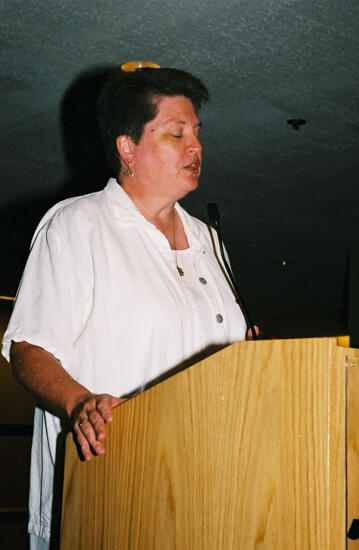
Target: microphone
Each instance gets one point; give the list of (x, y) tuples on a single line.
[(213, 213), (215, 218)]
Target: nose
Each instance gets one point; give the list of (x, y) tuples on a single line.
[(195, 144)]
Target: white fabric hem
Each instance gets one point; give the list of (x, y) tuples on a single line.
[(18, 337), (39, 530)]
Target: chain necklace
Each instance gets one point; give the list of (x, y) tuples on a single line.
[(179, 269)]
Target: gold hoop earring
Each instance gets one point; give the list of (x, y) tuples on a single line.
[(128, 171)]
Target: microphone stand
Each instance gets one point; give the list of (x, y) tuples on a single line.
[(214, 216)]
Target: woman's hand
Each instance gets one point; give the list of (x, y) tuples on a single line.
[(56, 391), (88, 422), (249, 333)]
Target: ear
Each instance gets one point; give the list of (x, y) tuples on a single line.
[(126, 150)]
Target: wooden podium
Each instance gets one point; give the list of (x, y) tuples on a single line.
[(254, 448)]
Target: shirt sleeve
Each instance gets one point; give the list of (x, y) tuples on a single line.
[(53, 296)]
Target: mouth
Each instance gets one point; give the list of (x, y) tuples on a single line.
[(194, 168)]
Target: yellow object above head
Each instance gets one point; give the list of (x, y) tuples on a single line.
[(132, 66)]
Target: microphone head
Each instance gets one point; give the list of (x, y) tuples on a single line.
[(213, 212)]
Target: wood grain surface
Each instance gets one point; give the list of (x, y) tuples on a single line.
[(245, 450), (353, 443)]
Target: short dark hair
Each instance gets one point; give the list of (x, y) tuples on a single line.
[(129, 100)]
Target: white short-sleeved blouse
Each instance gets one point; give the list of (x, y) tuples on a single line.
[(102, 293)]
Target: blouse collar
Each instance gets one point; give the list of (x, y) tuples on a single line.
[(126, 212)]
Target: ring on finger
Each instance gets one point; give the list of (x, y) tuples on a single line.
[(82, 423)]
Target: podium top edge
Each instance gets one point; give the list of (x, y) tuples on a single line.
[(342, 341)]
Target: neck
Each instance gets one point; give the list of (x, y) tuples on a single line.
[(153, 207), (160, 213)]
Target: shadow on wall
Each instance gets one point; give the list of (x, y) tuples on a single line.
[(86, 168)]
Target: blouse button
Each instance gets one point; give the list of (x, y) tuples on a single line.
[(202, 280), (219, 318)]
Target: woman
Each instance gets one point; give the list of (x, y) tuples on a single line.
[(121, 285)]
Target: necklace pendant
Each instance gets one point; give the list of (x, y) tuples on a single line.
[(180, 270)]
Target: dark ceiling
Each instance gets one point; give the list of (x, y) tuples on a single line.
[(288, 197)]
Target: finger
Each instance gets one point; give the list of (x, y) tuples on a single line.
[(98, 424), (88, 439), (105, 404), (82, 442), (250, 333), (90, 429)]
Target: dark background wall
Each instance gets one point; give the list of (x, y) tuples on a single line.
[(288, 197)]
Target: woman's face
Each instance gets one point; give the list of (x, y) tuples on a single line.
[(167, 159)]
